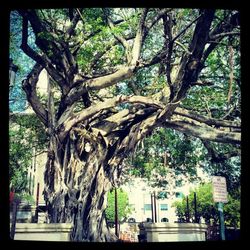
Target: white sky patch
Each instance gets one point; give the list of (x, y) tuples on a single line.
[(42, 82)]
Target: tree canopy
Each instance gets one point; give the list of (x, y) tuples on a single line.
[(117, 76), (101, 39)]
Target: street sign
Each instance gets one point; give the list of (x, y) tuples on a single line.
[(219, 189), (220, 196)]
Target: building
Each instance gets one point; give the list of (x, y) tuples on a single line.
[(35, 177), (37, 168), (35, 173), (140, 198)]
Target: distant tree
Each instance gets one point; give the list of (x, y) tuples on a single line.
[(207, 208), (232, 209), (123, 205), (25, 135)]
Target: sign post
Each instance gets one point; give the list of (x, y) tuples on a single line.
[(220, 196), (222, 224)]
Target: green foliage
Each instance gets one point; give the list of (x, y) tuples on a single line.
[(24, 196), (25, 133), (123, 205), (213, 100), (229, 167), (184, 154), (232, 209), (168, 147), (92, 36), (207, 208)]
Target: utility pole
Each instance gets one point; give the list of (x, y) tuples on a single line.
[(152, 207), (116, 214), (220, 196), (195, 209), (222, 224), (187, 210), (37, 201), (155, 207)]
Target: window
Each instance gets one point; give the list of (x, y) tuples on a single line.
[(164, 207), (179, 195), (147, 207), (149, 220), (131, 220), (164, 219)]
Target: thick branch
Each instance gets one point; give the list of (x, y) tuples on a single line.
[(41, 59), (94, 109), (191, 63), (201, 34), (140, 35), (122, 121), (206, 120), (73, 24), (204, 132), (98, 83), (26, 48), (167, 23), (29, 86), (121, 39)]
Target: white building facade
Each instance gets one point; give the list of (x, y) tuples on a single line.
[(140, 200)]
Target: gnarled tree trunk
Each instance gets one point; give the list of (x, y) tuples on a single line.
[(77, 183)]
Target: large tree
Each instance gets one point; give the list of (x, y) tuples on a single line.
[(121, 73)]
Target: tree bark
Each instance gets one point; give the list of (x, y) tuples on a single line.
[(77, 186)]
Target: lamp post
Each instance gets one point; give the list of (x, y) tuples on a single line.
[(152, 207), (12, 73), (187, 216), (155, 206), (195, 208)]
